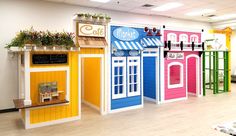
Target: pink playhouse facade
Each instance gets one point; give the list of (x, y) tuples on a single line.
[(182, 64)]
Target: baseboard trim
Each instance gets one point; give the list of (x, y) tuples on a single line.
[(8, 110)]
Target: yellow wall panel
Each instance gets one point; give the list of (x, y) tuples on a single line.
[(92, 81), (42, 77), (91, 51), (45, 114), (56, 112)]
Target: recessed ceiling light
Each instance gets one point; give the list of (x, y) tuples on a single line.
[(224, 17), (101, 1), (168, 6), (200, 12)]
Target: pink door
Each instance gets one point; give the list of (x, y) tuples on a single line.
[(192, 75)]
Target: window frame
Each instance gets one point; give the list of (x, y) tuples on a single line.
[(169, 39), (194, 35), (123, 64), (180, 38), (137, 64), (181, 75)]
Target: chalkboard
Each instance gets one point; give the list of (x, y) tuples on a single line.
[(49, 58)]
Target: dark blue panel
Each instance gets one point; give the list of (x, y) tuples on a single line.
[(116, 89), (116, 70), (121, 80), (121, 71), (120, 89), (149, 77), (126, 102), (116, 80)]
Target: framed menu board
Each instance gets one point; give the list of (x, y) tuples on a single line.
[(50, 58)]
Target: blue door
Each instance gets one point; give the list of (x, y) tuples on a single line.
[(149, 77)]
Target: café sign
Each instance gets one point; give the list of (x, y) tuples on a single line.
[(91, 30)]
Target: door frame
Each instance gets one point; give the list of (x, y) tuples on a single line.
[(156, 55), (198, 78), (102, 79)]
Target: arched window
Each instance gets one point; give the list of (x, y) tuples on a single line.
[(172, 37), (183, 37), (194, 38), (175, 75)]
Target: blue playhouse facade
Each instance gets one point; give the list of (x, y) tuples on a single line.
[(130, 75), (152, 75)]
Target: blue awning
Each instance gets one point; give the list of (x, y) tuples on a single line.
[(151, 42), (122, 45)]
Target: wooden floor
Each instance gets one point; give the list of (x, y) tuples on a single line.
[(194, 117)]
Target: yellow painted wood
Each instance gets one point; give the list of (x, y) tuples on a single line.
[(92, 51), (92, 80), (45, 114), (43, 77)]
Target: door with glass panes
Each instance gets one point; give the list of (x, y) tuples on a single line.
[(125, 81)]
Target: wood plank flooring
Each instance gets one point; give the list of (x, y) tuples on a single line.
[(193, 117)]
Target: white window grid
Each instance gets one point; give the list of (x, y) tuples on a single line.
[(183, 37), (172, 37), (119, 62), (194, 38), (132, 90)]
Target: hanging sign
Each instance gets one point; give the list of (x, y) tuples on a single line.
[(126, 34), (175, 55), (119, 53), (91, 30), (133, 53), (49, 59)]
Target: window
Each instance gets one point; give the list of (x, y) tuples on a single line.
[(183, 37), (172, 37), (133, 76), (175, 75), (194, 38), (119, 77)]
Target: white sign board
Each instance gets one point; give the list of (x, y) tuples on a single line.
[(91, 30), (175, 55)]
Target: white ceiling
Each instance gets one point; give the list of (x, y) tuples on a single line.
[(135, 6)]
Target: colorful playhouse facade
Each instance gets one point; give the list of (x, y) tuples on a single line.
[(182, 64), (126, 63), (152, 60)]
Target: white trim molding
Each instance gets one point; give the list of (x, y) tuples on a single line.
[(175, 100), (102, 108), (126, 109), (132, 62), (181, 75), (121, 63)]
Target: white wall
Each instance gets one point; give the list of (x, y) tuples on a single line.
[(16, 15)]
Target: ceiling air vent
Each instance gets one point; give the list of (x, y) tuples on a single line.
[(147, 5), (210, 15)]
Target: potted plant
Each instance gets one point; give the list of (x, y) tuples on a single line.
[(88, 17), (41, 41), (108, 19), (101, 18), (95, 17), (81, 16)]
